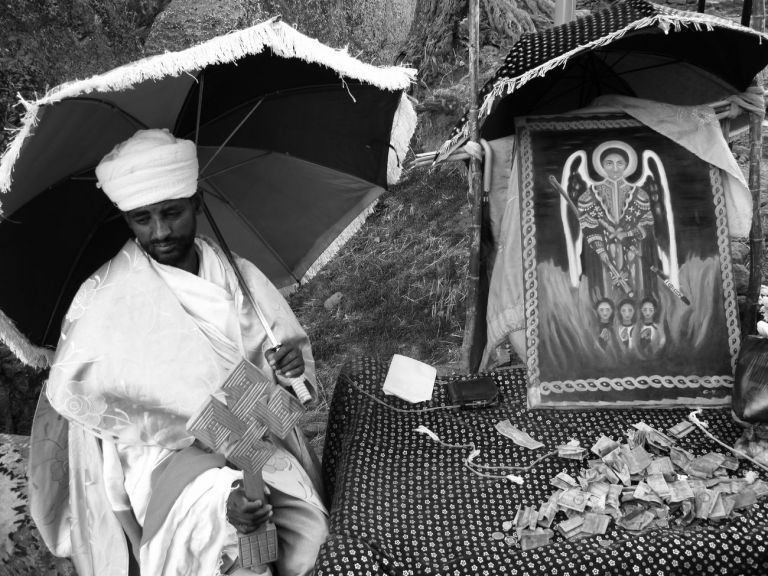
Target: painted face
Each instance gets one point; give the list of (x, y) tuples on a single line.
[(604, 311), (614, 165), (627, 311), (166, 230), (648, 310)]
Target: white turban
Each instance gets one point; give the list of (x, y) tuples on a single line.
[(149, 167)]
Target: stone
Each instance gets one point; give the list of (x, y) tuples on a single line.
[(185, 23), (333, 301)]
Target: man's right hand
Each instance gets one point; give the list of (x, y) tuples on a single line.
[(244, 514)]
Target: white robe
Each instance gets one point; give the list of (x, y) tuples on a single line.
[(168, 341)]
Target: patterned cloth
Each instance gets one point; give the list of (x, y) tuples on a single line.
[(546, 54), (403, 504)]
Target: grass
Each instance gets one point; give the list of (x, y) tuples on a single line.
[(402, 280)]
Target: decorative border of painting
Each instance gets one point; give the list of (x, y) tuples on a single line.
[(616, 390)]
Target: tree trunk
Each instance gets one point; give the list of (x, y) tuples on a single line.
[(438, 34)]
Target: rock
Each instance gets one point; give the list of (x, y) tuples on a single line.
[(185, 23), (333, 301)]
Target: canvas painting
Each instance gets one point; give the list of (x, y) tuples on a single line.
[(629, 294)]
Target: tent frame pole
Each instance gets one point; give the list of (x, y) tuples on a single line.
[(468, 362), (756, 240)]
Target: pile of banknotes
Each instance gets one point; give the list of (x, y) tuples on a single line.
[(645, 481)]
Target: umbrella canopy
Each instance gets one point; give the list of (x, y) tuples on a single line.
[(296, 140), (632, 48)]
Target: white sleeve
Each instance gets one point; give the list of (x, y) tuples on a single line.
[(114, 479)]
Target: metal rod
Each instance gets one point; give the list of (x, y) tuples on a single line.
[(231, 134), (298, 385), (240, 278)]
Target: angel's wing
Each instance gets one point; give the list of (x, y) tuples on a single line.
[(654, 181), (573, 183)]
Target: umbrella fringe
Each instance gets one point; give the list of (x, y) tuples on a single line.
[(21, 347), (329, 253), (28, 122), (665, 20), (279, 37), (403, 127)]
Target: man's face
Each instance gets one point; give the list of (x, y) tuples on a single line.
[(166, 230), (614, 165), (604, 311), (627, 311)]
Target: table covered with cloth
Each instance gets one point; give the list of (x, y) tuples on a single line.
[(401, 503)]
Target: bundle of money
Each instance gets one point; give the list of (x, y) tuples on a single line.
[(644, 483)]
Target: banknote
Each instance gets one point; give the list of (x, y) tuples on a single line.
[(604, 445), (662, 465), (659, 485), (574, 499), (612, 498), (680, 490), (618, 465), (637, 520), (571, 527), (705, 466), (681, 429), (595, 523), (505, 428), (564, 481), (637, 459), (571, 452), (536, 538), (680, 458), (548, 510), (705, 502), (646, 494)]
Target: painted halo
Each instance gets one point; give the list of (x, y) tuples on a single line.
[(600, 150)]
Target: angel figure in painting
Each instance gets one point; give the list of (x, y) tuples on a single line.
[(628, 226)]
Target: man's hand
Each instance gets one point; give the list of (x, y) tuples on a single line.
[(246, 515), (287, 360)]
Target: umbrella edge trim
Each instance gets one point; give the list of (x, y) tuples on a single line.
[(272, 34), (21, 347)]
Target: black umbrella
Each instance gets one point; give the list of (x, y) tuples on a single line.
[(632, 48), (296, 140)]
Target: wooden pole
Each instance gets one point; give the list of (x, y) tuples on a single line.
[(475, 192), (756, 247), (746, 12), (564, 11)]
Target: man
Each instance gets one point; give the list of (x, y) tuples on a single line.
[(146, 340)]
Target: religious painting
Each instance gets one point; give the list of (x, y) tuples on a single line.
[(629, 294)]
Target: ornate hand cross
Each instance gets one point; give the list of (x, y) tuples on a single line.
[(254, 407)]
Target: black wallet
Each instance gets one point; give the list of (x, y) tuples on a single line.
[(476, 392)]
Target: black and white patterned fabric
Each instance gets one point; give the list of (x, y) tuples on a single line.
[(542, 54), (403, 504)]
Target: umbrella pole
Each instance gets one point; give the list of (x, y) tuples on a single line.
[(469, 362), (298, 385), (756, 247)]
